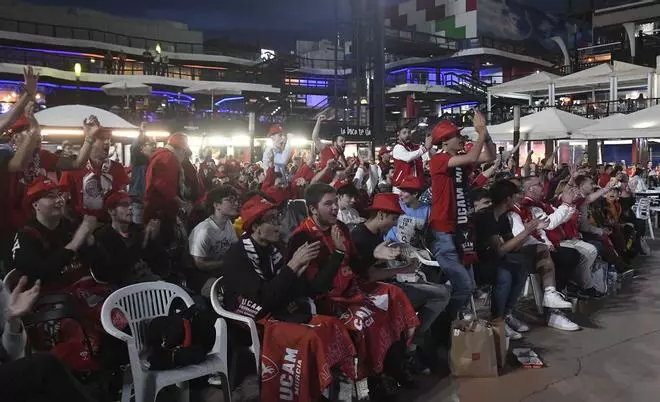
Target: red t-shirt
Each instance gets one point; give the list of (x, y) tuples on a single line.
[(15, 211), (90, 201), (330, 152), (604, 179), (443, 204)]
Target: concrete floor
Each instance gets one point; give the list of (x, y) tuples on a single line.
[(615, 357)]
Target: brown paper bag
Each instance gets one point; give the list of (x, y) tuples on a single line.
[(500, 341), (473, 350)]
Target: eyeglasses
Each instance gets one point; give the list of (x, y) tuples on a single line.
[(231, 200), (55, 195), (272, 218)]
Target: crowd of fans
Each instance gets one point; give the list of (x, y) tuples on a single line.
[(339, 281)]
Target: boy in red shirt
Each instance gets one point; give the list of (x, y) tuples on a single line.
[(452, 205)]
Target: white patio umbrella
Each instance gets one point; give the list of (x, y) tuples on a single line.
[(213, 89), (69, 116), (126, 88)]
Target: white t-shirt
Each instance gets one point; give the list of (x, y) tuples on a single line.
[(207, 240)]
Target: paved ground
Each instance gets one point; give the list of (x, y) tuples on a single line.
[(616, 357)]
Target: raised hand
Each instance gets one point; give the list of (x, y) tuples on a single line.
[(479, 122), (30, 80), (338, 238), (21, 300)]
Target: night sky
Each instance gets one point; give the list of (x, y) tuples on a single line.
[(274, 23)]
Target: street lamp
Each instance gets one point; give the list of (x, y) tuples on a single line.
[(158, 48), (77, 70)]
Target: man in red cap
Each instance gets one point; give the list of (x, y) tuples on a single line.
[(429, 299), (89, 185), (29, 161), (378, 314), (123, 252), (45, 248), (408, 157), (270, 289), (451, 203)]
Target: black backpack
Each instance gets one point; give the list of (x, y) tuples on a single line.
[(179, 339)]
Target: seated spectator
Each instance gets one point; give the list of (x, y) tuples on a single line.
[(210, 240), (428, 299), (262, 285), (514, 258), (383, 318), (123, 252), (40, 376), (347, 196), (414, 220), (555, 237)]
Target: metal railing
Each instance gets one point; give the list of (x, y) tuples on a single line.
[(115, 38)]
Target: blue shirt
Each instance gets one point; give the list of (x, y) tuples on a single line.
[(410, 223)]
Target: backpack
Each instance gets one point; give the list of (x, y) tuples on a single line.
[(179, 339)]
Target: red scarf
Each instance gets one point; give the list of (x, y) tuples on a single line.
[(555, 235), (526, 216)]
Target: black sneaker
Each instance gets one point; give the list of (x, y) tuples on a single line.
[(415, 363), (382, 388), (405, 377), (591, 293)]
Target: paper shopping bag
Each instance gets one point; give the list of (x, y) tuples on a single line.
[(473, 350), (501, 348)]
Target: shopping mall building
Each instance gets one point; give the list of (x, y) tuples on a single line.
[(439, 57)]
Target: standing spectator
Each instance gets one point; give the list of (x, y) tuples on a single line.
[(141, 150), (121, 64), (89, 185), (148, 60), (451, 203), (408, 157), (210, 239), (280, 153), (108, 61)]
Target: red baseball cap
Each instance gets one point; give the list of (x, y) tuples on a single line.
[(275, 129), (411, 184), (114, 198), (253, 209), (178, 141), (39, 187), (386, 202), (383, 150), (444, 131)]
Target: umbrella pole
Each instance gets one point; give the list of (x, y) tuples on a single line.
[(212, 105)]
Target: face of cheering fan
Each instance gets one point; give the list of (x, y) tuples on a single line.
[(51, 204), (326, 210), (122, 213)]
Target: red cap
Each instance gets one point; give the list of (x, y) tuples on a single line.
[(253, 209), (383, 150), (444, 131), (39, 187), (114, 198), (386, 202), (178, 141), (341, 183), (19, 125), (411, 184), (275, 129)]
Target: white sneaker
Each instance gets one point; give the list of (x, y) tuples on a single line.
[(559, 321), (511, 333), (554, 299), (215, 380), (516, 324)]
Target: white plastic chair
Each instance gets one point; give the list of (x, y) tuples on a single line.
[(216, 302), (140, 303)]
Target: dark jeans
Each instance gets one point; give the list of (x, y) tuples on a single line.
[(428, 299), (512, 274), (566, 261), (40, 377)]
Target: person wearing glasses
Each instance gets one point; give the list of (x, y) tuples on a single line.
[(210, 240)]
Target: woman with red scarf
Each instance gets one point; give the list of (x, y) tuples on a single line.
[(379, 315)]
